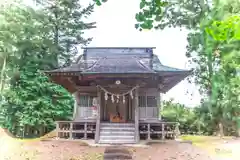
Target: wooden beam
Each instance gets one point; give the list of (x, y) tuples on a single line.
[(136, 116), (87, 88)]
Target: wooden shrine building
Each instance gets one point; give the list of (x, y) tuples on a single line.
[(117, 95)]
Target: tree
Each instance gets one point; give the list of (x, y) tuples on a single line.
[(31, 102), (175, 112), (159, 14), (227, 82), (66, 18)]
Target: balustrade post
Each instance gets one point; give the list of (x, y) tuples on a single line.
[(85, 130), (163, 131), (149, 131), (70, 131), (57, 129)]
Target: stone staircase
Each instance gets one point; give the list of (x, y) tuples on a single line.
[(117, 133)]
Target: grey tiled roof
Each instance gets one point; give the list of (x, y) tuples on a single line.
[(158, 66), (118, 60), (114, 64)]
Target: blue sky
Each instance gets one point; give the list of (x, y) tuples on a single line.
[(115, 28)]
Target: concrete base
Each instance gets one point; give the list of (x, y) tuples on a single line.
[(92, 143), (142, 143)]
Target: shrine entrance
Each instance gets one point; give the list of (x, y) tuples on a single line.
[(120, 112), (117, 107)]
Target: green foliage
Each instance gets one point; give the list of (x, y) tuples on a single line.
[(214, 50), (67, 24), (188, 118), (34, 101), (32, 41), (159, 14), (99, 2)]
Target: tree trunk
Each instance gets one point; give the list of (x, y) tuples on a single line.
[(2, 74), (238, 132), (41, 131), (220, 127), (238, 126)]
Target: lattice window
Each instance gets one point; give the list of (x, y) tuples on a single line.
[(90, 101), (142, 101), (85, 101), (151, 101)]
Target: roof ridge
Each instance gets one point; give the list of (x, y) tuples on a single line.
[(94, 64), (143, 65)]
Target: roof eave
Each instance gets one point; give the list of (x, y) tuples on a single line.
[(180, 72), (178, 78), (118, 47)]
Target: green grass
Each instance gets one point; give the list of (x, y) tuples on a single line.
[(208, 143)]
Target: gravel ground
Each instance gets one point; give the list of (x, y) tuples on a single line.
[(57, 150)]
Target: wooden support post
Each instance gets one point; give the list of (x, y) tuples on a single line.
[(163, 131), (70, 131), (75, 110), (136, 116), (149, 131), (159, 106), (98, 118), (85, 130), (57, 130)]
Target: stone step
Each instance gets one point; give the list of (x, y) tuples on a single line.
[(118, 124), (117, 133), (117, 141), (111, 153), (129, 133), (116, 137), (117, 129), (108, 126)]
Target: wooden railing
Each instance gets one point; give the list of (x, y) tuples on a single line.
[(159, 129), (87, 129), (75, 130)]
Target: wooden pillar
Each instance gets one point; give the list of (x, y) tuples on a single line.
[(159, 106), (97, 136), (136, 116), (75, 96)]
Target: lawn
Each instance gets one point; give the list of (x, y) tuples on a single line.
[(226, 147)]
